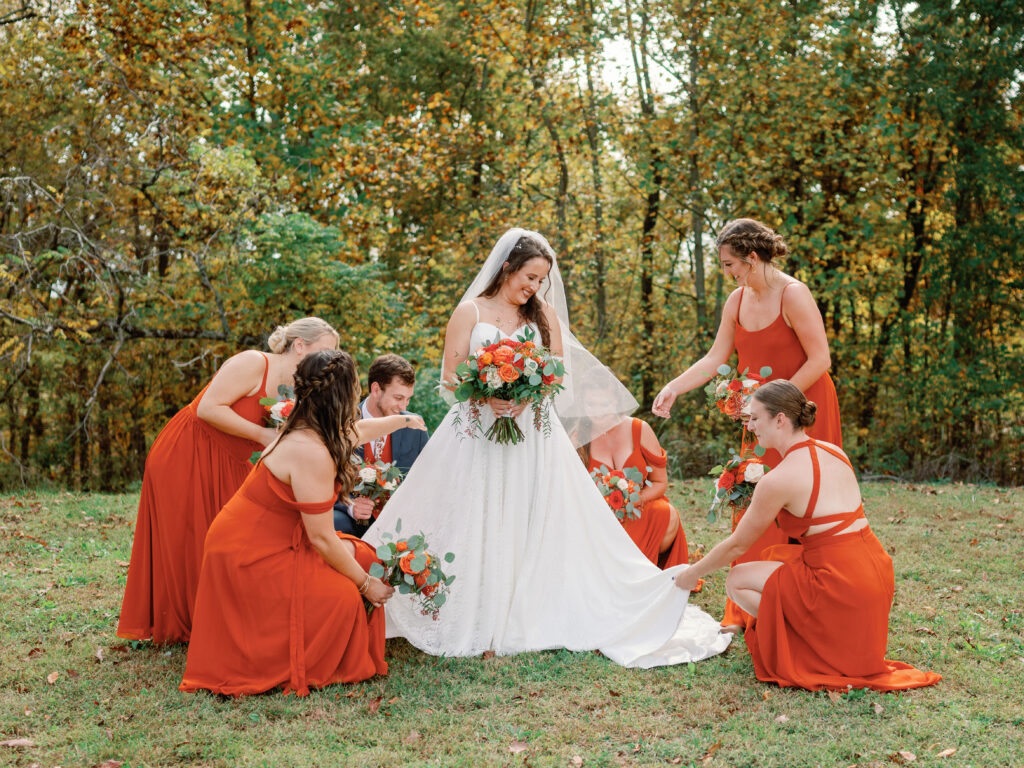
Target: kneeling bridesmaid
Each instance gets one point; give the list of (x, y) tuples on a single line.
[(821, 608), (280, 598)]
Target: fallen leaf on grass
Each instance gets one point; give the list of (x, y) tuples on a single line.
[(411, 738), (782, 719), (675, 761), (52, 677), (711, 752), (17, 743), (99, 654), (926, 630), (613, 693), (904, 756), (392, 700), (879, 709), (111, 764), (516, 747), (123, 563), (488, 655), (375, 704), (765, 695), (576, 761), (72, 673), (835, 696), (947, 752)]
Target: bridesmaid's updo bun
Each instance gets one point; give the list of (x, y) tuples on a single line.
[(783, 396), (746, 236), (309, 329)]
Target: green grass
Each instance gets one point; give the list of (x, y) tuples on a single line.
[(958, 557)]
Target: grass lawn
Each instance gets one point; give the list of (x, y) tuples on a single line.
[(81, 697)]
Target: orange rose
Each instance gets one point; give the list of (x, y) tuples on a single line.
[(485, 359), (401, 546), (528, 345), (503, 355), (406, 564), (508, 373), (616, 500)]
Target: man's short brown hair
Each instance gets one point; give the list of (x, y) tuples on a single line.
[(386, 368)]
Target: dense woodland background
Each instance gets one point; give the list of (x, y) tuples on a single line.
[(177, 177)]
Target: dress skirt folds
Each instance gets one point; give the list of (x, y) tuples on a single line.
[(270, 611), (192, 470)]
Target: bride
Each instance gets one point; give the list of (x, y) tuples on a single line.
[(541, 562)]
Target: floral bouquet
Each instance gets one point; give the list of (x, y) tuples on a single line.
[(621, 490), (736, 481), (377, 481), (731, 392), (279, 408), (517, 370), (407, 565)]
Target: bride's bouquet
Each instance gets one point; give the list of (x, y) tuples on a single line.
[(412, 569), (279, 408), (730, 392), (737, 479), (518, 370), (621, 490), (377, 481)]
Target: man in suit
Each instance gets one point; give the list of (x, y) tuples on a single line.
[(391, 381)]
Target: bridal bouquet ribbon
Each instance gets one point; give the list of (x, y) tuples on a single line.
[(511, 369), (279, 408), (730, 392), (409, 566), (377, 481), (621, 490), (737, 479)]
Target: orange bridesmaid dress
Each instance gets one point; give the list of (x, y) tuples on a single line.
[(270, 611), (778, 347), (823, 621), (648, 530), (192, 470)]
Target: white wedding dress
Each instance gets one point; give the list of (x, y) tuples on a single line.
[(540, 560)]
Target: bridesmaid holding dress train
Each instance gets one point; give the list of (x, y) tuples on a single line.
[(771, 320)]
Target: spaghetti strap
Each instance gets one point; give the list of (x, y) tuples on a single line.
[(739, 305), (636, 431), (782, 296), (837, 454), (266, 371), (815, 482), (477, 308)]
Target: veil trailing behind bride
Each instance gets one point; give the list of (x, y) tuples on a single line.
[(541, 562)]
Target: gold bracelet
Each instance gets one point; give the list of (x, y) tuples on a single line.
[(366, 585)]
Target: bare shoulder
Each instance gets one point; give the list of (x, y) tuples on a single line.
[(798, 292), (305, 447), (247, 361), (549, 314)]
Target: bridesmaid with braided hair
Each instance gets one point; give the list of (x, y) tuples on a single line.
[(771, 320), (196, 464), (280, 599)]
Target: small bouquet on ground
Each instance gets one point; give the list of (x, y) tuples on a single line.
[(621, 490), (517, 370), (279, 408), (736, 481), (731, 392), (377, 481), (407, 565)]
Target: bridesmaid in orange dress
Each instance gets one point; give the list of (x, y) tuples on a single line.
[(822, 607), (196, 464), (770, 320), (280, 600), (632, 443)]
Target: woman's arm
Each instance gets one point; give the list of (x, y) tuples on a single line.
[(706, 368), (239, 377), (658, 476), (769, 497), (371, 429), (456, 342), (802, 313)]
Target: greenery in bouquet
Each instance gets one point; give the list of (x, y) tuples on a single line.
[(409, 566), (517, 369), (279, 408), (377, 481), (730, 391), (737, 479), (621, 490)]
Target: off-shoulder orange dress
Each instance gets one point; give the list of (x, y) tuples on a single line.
[(823, 621), (270, 610), (649, 529), (778, 347), (192, 470)]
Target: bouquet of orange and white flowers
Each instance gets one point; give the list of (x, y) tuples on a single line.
[(737, 479), (407, 565), (517, 370), (279, 408), (731, 392), (377, 481), (621, 490)]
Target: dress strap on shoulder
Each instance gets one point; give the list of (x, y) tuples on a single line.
[(782, 296), (477, 308), (739, 305), (810, 444), (266, 371), (637, 426), (837, 454)]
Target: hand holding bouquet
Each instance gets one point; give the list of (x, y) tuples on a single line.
[(621, 490), (407, 565), (736, 481), (731, 392), (518, 370), (377, 481), (279, 408)]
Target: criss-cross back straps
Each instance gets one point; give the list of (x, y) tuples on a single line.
[(845, 519)]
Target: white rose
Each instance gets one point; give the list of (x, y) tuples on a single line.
[(367, 474), (753, 472), (722, 388), (749, 383), (530, 367), (622, 484)]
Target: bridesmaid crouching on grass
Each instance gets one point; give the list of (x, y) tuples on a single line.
[(280, 600), (822, 608)]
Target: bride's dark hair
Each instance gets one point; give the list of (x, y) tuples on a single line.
[(326, 399), (532, 311)]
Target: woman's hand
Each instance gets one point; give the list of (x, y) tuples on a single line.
[(505, 407), (377, 592), (414, 421), (664, 401), (687, 579), (268, 435)]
